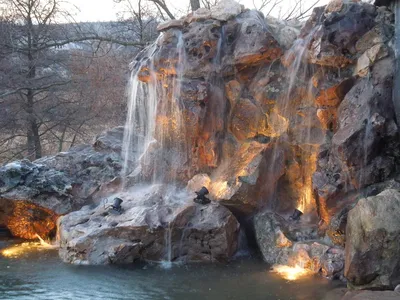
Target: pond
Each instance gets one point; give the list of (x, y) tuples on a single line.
[(39, 274)]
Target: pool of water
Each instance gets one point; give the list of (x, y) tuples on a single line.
[(39, 274)]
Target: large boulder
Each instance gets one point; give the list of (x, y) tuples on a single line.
[(271, 234), (37, 192), (158, 223), (363, 148), (333, 32), (282, 242), (372, 242)]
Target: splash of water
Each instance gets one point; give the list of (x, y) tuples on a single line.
[(167, 263)]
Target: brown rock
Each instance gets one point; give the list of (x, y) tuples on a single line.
[(170, 24), (247, 120), (233, 92)]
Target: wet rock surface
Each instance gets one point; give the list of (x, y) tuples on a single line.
[(323, 123), (372, 242), (270, 116), (284, 242), (153, 226)]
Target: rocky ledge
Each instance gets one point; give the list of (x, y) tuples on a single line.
[(157, 223), (34, 194)]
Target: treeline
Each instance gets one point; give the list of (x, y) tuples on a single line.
[(61, 82)]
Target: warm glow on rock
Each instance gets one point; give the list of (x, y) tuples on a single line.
[(28, 220), (291, 273), (306, 201), (277, 124), (219, 189), (19, 249)]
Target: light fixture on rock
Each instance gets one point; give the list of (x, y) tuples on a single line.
[(201, 196), (117, 205), (296, 215)]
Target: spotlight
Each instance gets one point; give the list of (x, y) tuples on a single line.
[(117, 204), (201, 196), (296, 215)]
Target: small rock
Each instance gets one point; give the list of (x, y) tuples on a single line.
[(170, 24), (200, 14), (225, 10)]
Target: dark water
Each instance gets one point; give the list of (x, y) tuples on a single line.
[(39, 274)]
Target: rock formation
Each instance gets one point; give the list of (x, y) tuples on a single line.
[(34, 194), (373, 233), (157, 224), (270, 116)]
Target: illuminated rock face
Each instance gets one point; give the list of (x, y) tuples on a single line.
[(34, 194), (27, 220), (254, 112)]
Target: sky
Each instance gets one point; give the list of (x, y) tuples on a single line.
[(106, 10)]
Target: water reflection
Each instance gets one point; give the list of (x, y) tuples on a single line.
[(41, 275)]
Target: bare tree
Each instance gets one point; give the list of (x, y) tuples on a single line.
[(35, 79), (195, 4), (138, 19), (297, 8)]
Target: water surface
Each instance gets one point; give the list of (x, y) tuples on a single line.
[(39, 274)]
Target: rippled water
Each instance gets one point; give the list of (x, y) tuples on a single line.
[(41, 275)]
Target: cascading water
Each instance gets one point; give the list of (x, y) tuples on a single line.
[(300, 136), (158, 145), (140, 122), (154, 131), (154, 145)]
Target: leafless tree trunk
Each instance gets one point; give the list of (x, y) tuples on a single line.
[(195, 4)]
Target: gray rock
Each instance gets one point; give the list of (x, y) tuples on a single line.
[(110, 140), (271, 234), (200, 14), (37, 183), (372, 242), (157, 224), (225, 10), (285, 32), (345, 294), (60, 183), (333, 41)]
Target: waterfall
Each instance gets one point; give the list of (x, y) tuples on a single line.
[(154, 134), (299, 131), (140, 121)]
